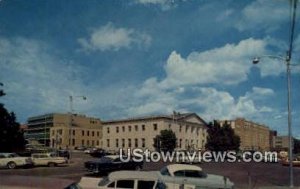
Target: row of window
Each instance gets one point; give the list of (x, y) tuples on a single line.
[(83, 132), (143, 128), (135, 143), (130, 143), (136, 128)]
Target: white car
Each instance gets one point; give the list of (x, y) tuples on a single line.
[(193, 175), (121, 180), (47, 159), (12, 160)]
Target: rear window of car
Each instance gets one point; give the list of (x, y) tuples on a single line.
[(196, 174), (125, 184)]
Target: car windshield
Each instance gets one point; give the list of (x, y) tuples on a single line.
[(103, 182), (165, 171)]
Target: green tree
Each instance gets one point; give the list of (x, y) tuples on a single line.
[(222, 138), (166, 141), (11, 137)]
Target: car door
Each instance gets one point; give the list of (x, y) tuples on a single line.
[(146, 184), (2, 160)]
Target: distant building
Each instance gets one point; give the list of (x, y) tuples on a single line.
[(190, 130), (254, 136), (55, 130), (281, 143)]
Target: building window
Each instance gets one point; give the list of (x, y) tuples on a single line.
[(88, 143), (123, 143), (93, 133), (73, 132), (88, 133), (186, 128), (129, 128), (143, 143), (82, 132), (108, 130), (117, 129), (180, 143), (73, 142), (123, 128), (97, 142), (180, 128), (93, 143), (97, 133), (136, 128), (136, 143), (129, 143), (155, 126), (143, 127), (169, 126), (117, 143), (82, 143), (107, 142)]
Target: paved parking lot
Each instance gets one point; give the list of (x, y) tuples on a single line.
[(258, 174)]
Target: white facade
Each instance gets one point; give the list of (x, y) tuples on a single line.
[(190, 130)]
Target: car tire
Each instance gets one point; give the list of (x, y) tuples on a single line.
[(11, 165), (51, 164)]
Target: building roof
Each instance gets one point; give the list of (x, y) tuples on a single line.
[(175, 117)]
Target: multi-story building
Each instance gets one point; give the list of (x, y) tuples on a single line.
[(55, 130), (273, 135), (281, 143), (190, 130), (254, 136)]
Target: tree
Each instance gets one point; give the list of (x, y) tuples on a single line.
[(166, 141), (222, 138), (11, 137)]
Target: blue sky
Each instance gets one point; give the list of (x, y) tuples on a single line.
[(147, 57)]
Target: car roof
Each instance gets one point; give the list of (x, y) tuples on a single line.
[(176, 167), (146, 175), (112, 156)]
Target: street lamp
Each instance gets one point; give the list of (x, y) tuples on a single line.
[(71, 121), (286, 60)]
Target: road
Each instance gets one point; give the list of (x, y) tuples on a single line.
[(258, 174)]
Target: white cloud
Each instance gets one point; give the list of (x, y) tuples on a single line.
[(229, 64), (264, 15), (109, 37)]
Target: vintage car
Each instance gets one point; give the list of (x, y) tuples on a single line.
[(111, 163), (193, 175), (12, 161), (47, 159), (121, 179)]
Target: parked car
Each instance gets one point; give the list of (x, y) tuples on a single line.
[(111, 163), (295, 162), (13, 160), (48, 159), (63, 153), (98, 153), (122, 179), (193, 175)]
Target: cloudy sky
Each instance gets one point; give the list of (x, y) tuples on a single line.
[(148, 57)]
